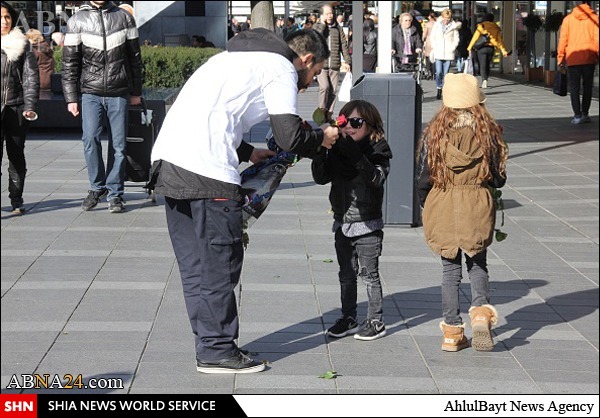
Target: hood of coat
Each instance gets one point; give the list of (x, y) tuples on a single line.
[(455, 159), (451, 26), (582, 12), (262, 40), (14, 44), (107, 5)]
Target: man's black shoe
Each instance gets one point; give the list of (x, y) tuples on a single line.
[(93, 198), (240, 363)]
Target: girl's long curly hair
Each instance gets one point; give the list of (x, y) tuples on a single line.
[(488, 135)]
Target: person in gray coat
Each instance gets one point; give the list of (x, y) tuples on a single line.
[(328, 79)]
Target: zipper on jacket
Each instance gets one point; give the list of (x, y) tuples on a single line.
[(105, 75), (6, 68)]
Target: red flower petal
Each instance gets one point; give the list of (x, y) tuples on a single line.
[(341, 121)]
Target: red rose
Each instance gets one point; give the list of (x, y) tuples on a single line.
[(341, 121)]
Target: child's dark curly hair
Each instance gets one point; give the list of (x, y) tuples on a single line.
[(369, 113)]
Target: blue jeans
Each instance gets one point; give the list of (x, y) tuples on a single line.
[(451, 278), (93, 109), (360, 252), (460, 61), (441, 69)]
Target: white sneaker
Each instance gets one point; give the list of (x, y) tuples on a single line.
[(576, 120), (484, 84)]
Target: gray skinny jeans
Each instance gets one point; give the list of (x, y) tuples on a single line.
[(360, 252), (451, 278)]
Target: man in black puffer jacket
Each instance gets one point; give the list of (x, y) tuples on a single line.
[(102, 62)]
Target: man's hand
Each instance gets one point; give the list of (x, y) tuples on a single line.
[(135, 100), (330, 135), (259, 155), (73, 108), (30, 115)]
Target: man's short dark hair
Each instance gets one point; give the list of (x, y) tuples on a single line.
[(489, 17), (308, 41)]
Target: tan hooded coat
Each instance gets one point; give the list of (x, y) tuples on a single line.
[(463, 215)]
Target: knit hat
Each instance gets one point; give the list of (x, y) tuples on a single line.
[(461, 91)]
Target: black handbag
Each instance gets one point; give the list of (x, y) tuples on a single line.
[(483, 40), (560, 84)]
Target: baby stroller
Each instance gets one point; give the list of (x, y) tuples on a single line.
[(416, 65)]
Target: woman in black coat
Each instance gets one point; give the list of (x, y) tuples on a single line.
[(20, 93), (464, 35), (369, 46)]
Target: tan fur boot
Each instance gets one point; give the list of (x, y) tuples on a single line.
[(482, 319), (454, 337)]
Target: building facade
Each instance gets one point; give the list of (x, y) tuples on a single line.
[(173, 23)]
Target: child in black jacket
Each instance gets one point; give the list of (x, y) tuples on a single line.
[(357, 166)]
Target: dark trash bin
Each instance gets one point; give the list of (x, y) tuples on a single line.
[(398, 98)]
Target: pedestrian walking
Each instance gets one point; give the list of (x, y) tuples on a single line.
[(578, 52), (102, 63), (357, 167), (369, 46), (492, 33), (444, 40), (329, 78), (20, 94), (406, 44), (464, 35), (431, 18), (196, 158), (461, 153)]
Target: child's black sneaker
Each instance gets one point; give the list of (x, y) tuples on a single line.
[(343, 326), (372, 330)]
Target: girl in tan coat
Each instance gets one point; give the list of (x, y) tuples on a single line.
[(461, 153)]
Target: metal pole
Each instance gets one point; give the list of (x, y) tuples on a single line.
[(357, 39), (384, 36), (40, 17), (547, 39)]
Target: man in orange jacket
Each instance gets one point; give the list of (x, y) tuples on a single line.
[(578, 51)]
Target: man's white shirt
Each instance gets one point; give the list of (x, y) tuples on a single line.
[(221, 101)]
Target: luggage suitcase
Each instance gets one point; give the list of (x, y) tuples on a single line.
[(141, 134)]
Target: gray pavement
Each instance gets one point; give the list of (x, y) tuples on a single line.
[(99, 294)]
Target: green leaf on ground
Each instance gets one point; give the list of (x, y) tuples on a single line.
[(500, 236), (328, 260), (331, 374)]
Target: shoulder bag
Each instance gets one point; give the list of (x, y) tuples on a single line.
[(483, 40)]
